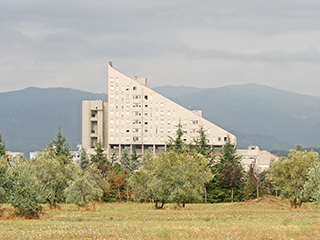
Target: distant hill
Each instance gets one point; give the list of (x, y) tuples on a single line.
[(256, 114), (30, 118)]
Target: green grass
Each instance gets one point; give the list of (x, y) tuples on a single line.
[(142, 221)]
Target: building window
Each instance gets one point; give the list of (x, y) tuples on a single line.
[(169, 113), (127, 122), (127, 88), (127, 138), (127, 113), (168, 122), (127, 130), (116, 80), (184, 122), (146, 114), (127, 96), (111, 88), (111, 113), (161, 113), (146, 130), (219, 139), (134, 88), (136, 96), (169, 130), (146, 105), (225, 139), (146, 122), (161, 105), (146, 97), (111, 138), (111, 96), (111, 79)]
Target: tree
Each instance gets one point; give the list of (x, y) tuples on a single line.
[(177, 143), (53, 175), (99, 157), (311, 188), (229, 169), (289, 174), (60, 147), (201, 146), (2, 146), (84, 159), (3, 173), (23, 188), (129, 163), (172, 176), (85, 187)]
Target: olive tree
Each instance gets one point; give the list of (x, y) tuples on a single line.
[(172, 176), (289, 174)]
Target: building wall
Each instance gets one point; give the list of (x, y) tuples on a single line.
[(260, 158)]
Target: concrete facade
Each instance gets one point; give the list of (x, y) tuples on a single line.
[(137, 115), (260, 158)]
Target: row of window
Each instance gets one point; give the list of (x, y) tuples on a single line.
[(138, 138), (136, 105), (134, 88)]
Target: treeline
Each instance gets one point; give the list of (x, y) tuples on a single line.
[(182, 174)]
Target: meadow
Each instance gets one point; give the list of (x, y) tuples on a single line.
[(265, 219)]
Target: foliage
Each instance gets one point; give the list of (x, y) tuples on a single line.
[(99, 157), (24, 188), (130, 162), (85, 187), (201, 146), (229, 169), (2, 146), (53, 175), (311, 188), (290, 174), (60, 147), (3, 170), (177, 143), (172, 176), (84, 160)]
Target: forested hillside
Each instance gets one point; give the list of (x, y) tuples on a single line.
[(30, 118), (256, 114)]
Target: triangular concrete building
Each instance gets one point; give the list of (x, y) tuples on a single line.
[(137, 115)]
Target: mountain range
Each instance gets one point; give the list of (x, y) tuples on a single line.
[(258, 115)]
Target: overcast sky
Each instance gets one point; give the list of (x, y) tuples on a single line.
[(200, 43)]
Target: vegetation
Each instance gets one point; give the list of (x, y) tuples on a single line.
[(289, 175), (172, 176), (2, 146), (229, 170)]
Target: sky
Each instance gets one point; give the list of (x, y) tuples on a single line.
[(205, 44)]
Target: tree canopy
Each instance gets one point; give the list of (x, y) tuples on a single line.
[(289, 174)]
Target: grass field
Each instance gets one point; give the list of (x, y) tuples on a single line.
[(263, 220)]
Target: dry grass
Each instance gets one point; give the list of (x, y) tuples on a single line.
[(260, 219)]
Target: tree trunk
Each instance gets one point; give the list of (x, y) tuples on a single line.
[(157, 206), (205, 194), (294, 203), (183, 204), (232, 194), (257, 191)]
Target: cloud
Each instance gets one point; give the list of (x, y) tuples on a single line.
[(65, 43)]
